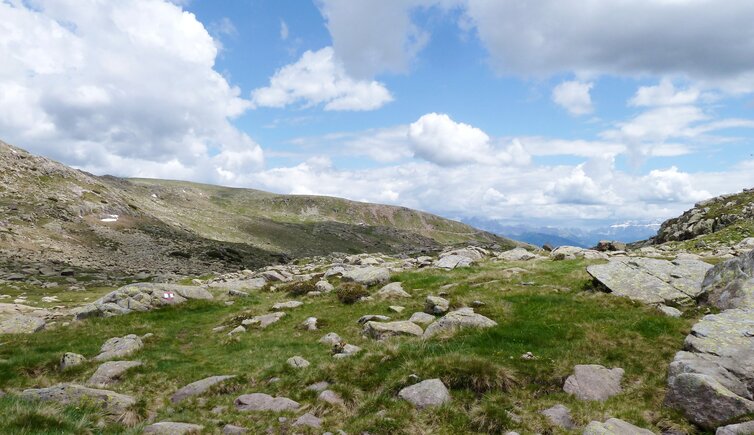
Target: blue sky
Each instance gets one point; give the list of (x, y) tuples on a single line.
[(562, 113)]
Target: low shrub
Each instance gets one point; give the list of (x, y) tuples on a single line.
[(350, 292)]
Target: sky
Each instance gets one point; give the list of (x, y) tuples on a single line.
[(554, 112)]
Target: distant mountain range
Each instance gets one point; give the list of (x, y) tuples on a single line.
[(539, 235)]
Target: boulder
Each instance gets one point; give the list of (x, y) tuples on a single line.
[(436, 305), (310, 324), (566, 253), (263, 321), (650, 280), (345, 350), (119, 347), (453, 261), (308, 420), (431, 392), (21, 324), (65, 394), (265, 402), (139, 297), (367, 275), (109, 372), (730, 284), (518, 254), (746, 428), (330, 339), (324, 286), (614, 426), (298, 362), (383, 330), (331, 397), (421, 318), (454, 320), (669, 311), (711, 381), (560, 416), (70, 359), (287, 305), (610, 246), (594, 382), (173, 428), (393, 290), (198, 387)]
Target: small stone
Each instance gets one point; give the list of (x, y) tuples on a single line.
[(330, 339), (559, 415), (421, 318), (669, 311), (319, 386), (237, 330), (70, 359), (198, 387), (308, 420), (436, 305), (230, 429), (265, 402), (331, 397), (119, 347), (345, 351), (614, 426), (287, 305), (394, 290), (310, 324), (298, 362), (396, 308), (111, 371), (324, 286), (381, 331), (369, 317)]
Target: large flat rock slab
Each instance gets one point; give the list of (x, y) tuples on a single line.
[(113, 403), (651, 280)]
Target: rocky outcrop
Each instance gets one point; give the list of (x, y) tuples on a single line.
[(367, 275), (707, 217), (21, 319), (265, 402), (139, 297), (650, 280), (119, 347)]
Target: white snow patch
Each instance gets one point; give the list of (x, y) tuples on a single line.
[(110, 218)]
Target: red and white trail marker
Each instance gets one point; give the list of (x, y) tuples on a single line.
[(168, 296)]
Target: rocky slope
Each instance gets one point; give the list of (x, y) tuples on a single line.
[(732, 213), (51, 214)]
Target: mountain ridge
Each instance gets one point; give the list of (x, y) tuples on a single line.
[(54, 213)]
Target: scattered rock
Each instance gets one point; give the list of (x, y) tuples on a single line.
[(396, 309), (518, 254), (298, 362), (392, 291), (614, 426), (566, 253), (198, 387), (436, 305), (650, 280), (237, 330), (331, 397), (319, 386), (461, 318), (594, 382), (560, 416), (21, 324), (669, 311), (345, 350), (113, 403), (119, 347), (431, 392), (70, 359), (230, 429), (330, 339), (367, 275), (308, 420), (453, 261), (111, 371), (263, 321), (421, 318), (324, 286), (265, 402), (287, 305), (383, 330), (173, 428), (310, 324), (746, 428)]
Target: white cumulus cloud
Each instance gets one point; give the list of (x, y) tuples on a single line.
[(574, 96), (124, 87), (318, 77), (664, 94)]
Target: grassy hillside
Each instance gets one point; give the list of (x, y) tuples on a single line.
[(555, 316)]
